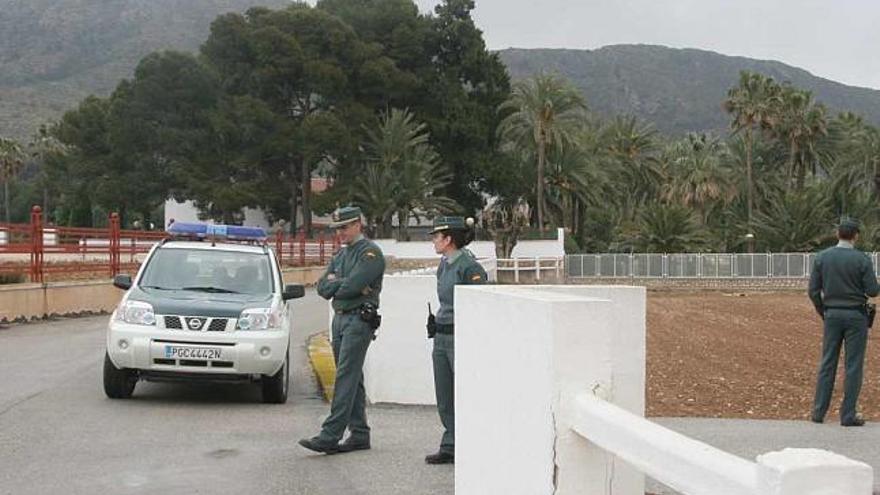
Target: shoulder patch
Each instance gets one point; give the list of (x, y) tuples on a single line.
[(371, 254), (476, 278)]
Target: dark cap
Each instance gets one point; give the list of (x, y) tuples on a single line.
[(849, 223), (345, 215), (451, 223)]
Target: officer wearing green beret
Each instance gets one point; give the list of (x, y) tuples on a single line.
[(457, 266), (841, 281), (353, 281)]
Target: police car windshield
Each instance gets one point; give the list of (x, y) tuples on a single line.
[(204, 270)]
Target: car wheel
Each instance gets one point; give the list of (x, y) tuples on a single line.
[(118, 384), (275, 387)]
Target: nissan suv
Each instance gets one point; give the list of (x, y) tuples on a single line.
[(208, 304)]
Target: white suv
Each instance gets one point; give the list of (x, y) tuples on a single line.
[(205, 310)]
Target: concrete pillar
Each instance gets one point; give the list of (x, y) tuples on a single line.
[(812, 472), (521, 351)]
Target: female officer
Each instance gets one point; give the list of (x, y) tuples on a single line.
[(457, 266)]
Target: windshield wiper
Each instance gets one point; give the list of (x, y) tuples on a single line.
[(216, 290), (155, 287)]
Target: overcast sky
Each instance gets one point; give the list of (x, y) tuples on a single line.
[(834, 39)]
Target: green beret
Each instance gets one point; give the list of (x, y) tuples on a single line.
[(345, 215), (451, 223), (849, 223)]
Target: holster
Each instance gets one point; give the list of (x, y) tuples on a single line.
[(369, 313), (871, 312), (431, 325)]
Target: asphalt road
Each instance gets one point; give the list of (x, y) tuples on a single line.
[(60, 434)]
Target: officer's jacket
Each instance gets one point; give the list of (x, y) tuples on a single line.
[(358, 270), (461, 268), (842, 277)]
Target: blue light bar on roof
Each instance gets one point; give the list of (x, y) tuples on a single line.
[(202, 230)]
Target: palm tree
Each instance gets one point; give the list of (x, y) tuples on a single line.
[(11, 162), (800, 122), (542, 112), (753, 103), (796, 221), (403, 175), (630, 147), (667, 229), (700, 178)]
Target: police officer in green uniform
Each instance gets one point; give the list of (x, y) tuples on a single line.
[(457, 266), (841, 281), (353, 281)]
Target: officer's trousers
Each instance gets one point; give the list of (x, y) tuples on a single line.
[(351, 338), (444, 387), (849, 328)]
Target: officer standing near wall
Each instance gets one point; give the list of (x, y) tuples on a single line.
[(353, 281), (841, 281), (457, 266)]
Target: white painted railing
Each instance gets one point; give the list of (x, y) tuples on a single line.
[(694, 468), (537, 266)]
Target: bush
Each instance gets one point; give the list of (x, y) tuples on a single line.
[(11, 278)]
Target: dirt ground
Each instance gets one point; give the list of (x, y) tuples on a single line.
[(742, 355)]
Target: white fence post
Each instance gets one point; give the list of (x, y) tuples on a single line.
[(513, 434)]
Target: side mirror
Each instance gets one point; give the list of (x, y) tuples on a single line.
[(293, 292), (122, 281)]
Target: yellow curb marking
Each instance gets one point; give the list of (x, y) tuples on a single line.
[(321, 356)]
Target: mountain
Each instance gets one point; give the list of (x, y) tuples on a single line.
[(679, 90), (57, 52)]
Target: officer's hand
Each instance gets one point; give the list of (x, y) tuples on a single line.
[(331, 277)]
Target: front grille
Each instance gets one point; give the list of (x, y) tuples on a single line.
[(173, 322), (217, 325), (191, 362), (221, 364), (169, 362)]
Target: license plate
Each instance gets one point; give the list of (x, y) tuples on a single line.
[(198, 353)]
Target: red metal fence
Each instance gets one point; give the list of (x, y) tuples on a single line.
[(43, 253)]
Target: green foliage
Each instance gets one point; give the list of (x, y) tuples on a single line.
[(403, 175), (666, 229)]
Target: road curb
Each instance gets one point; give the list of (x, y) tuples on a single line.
[(321, 357)]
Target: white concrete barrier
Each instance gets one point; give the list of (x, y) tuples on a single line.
[(398, 368), (550, 400), (519, 351)]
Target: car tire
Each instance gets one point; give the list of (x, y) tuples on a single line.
[(118, 384), (275, 387)]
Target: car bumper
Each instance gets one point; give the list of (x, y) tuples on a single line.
[(222, 353)]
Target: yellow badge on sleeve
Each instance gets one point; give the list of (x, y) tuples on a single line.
[(476, 278), (370, 254)]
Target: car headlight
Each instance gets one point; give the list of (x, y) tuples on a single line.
[(136, 312), (258, 319)]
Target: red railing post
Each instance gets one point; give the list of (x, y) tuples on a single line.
[(279, 246), (302, 248), (114, 244), (321, 247), (36, 244)]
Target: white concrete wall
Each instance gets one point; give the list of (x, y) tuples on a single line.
[(532, 249), (398, 368), (519, 351)]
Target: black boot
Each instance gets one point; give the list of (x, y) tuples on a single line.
[(440, 458), (317, 445)]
